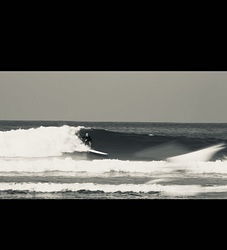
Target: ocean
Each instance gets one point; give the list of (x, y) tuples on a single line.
[(145, 160)]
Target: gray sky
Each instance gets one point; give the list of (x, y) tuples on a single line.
[(114, 96)]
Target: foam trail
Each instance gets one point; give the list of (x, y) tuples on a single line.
[(199, 155), (68, 164), (40, 142)]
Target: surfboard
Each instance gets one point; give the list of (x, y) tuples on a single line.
[(97, 152)]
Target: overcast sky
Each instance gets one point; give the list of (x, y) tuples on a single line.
[(114, 96)]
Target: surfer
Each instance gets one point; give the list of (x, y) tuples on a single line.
[(87, 140)]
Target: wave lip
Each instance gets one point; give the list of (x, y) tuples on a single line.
[(40, 142)]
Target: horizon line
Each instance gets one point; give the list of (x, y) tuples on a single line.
[(40, 120)]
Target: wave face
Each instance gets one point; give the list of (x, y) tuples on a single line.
[(149, 147)]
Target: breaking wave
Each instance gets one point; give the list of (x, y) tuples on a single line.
[(40, 142)]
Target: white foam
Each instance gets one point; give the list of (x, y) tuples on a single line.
[(40, 142), (105, 166)]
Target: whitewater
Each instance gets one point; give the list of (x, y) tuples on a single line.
[(48, 160), (40, 142)]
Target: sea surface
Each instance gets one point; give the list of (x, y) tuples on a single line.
[(152, 160)]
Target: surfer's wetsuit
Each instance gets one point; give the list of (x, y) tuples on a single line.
[(87, 140)]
